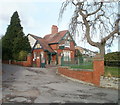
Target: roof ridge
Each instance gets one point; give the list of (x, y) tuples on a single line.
[(55, 33)]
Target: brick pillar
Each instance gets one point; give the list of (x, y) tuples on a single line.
[(29, 59), (38, 62), (98, 66), (59, 60)]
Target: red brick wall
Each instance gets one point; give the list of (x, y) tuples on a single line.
[(29, 60), (72, 54), (54, 29), (38, 62), (98, 69), (54, 57), (72, 46), (98, 66), (59, 51), (37, 50), (5, 61), (87, 76)]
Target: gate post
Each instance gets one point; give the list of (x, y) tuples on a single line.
[(29, 59), (38, 62), (98, 67)]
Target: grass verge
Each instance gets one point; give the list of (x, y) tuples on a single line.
[(109, 71), (112, 71)]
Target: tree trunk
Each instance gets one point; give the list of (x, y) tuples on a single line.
[(102, 50)]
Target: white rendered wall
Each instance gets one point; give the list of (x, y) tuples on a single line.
[(31, 40)]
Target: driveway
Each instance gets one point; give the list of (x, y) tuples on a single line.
[(43, 85)]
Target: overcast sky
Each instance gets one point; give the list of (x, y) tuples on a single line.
[(37, 17)]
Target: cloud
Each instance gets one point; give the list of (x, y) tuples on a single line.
[(24, 9)]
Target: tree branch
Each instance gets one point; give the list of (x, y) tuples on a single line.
[(109, 36), (87, 33), (96, 10)]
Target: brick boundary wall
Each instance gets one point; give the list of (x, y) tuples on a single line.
[(90, 76), (27, 63)]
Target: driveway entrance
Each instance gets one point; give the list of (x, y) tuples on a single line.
[(43, 85)]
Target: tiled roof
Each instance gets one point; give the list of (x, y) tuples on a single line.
[(43, 43), (79, 47), (49, 39), (55, 38), (34, 36)]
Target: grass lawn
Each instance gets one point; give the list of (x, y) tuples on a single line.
[(87, 66), (112, 71), (109, 71)]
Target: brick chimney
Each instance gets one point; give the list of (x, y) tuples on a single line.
[(54, 29)]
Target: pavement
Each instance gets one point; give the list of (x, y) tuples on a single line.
[(44, 85)]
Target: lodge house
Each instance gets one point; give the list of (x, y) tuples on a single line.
[(53, 46)]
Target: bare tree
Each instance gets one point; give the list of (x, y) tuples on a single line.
[(95, 18)]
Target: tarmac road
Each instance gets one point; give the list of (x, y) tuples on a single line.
[(43, 85)]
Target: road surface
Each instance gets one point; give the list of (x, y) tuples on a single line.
[(43, 85)]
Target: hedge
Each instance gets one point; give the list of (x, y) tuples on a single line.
[(112, 59)]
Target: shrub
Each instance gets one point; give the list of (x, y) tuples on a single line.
[(22, 55), (112, 59)]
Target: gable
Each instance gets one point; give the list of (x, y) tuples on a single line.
[(32, 41), (37, 45), (66, 39)]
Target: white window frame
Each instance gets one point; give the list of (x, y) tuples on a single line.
[(67, 43), (67, 55), (35, 55)]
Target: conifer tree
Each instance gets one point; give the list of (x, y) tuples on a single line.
[(14, 39)]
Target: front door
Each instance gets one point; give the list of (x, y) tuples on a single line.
[(49, 58)]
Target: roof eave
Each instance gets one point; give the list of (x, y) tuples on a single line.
[(53, 43)]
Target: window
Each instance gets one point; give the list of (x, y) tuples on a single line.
[(67, 43), (37, 46), (67, 55), (34, 55), (42, 55)]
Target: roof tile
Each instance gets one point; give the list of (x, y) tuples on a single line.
[(55, 38), (49, 39)]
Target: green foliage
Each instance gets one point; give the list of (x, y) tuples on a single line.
[(88, 65), (112, 56), (19, 44), (78, 53), (22, 55), (78, 56), (14, 39), (112, 59), (6, 48), (113, 71)]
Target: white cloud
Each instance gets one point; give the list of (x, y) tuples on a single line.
[(36, 18)]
